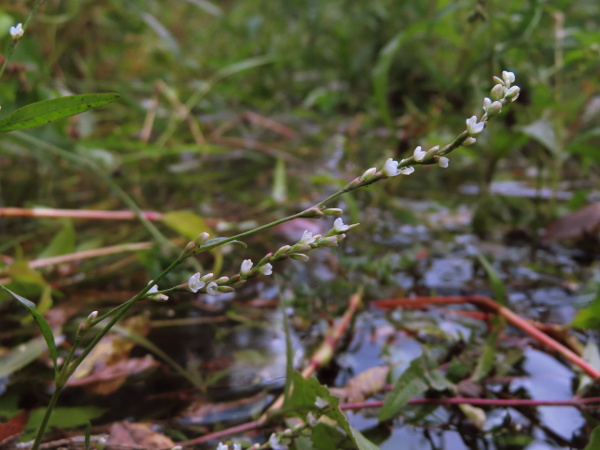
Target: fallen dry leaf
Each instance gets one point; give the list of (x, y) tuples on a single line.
[(111, 377), (364, 385), (137, 436), (575, 225), (12, 428), (111, 350)]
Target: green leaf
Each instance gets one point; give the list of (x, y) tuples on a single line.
[(303, 400), (279, 193), (497, 284), (186, 223), (21, 356), (542, 131), (214, 241), (62, 243), (409, 385), (362, 442), (40, 113), (381, 75), (594, 439), (42, 324), (488, 357), (588, 318), (61, 418)]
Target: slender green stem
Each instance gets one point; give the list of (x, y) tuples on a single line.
[(46, 418)]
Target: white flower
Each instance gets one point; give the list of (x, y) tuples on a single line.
[(443, 162), (195, 283), (390, 168), (237, 446), (321, 403), (307, 238), (17, 32), (513, 93), (474, 127), (419, 154), (212, 288), (311, 419), (407, 170), (267, 269), (153, 289), (246, 267), (368, 174), (469, 141), (339, 227), (491, 108), (222, 446), (508, 77)]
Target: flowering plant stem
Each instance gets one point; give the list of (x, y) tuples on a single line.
[(501, 94)]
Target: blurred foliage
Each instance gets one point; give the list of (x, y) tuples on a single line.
[(352, 83)]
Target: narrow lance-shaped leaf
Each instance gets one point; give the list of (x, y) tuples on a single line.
[(40, 113), (42, 324)]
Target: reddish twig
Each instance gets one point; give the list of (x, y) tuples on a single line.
[(489, 304), (479, 402), (77, 213)]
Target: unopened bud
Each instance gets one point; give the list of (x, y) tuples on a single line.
[(299, 257), (282, 251), (497, 92), (202, 238), (333, 211), (225, 289)]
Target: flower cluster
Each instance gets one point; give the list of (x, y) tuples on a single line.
[(208, 285), (502, 93)]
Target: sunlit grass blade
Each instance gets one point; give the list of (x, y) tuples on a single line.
[(41, 113)]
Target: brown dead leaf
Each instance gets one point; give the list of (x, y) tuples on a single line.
[(364, 385), (109, 378), (12, 428), (575, 225), (111, 350), (137, 436), (202, 412)]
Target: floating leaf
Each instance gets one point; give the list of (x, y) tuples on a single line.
[(40, 113), (42, 324)]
